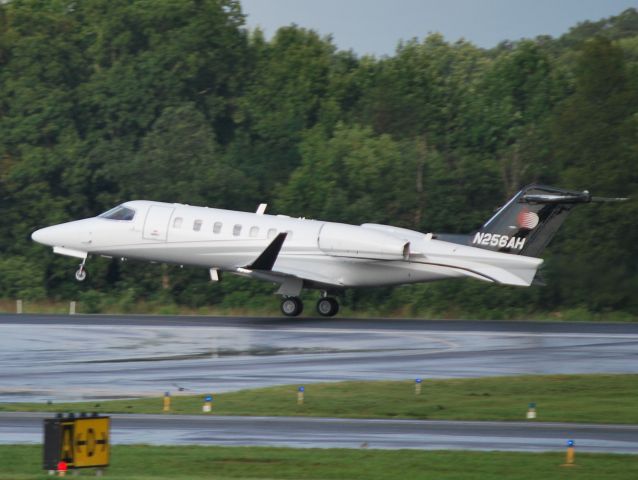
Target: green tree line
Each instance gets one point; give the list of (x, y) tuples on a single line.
[(103, 101)]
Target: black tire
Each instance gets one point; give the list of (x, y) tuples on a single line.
[(327, 307), (81, 274), (291, 306)]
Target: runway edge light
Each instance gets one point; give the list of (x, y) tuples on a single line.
[(417, 386), (300, 395), (571, 454), (167, 402), (531, 411), (208, 404)]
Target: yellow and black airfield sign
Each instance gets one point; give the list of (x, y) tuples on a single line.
[(80, 442)]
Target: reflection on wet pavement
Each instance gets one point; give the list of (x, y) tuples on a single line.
[(60, 362)]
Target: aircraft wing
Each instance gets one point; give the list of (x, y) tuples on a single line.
[(291, 276), (292, 280)]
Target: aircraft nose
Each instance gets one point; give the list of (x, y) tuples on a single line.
[(42, 236), (71, 234)]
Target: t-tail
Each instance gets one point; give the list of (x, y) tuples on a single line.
[(526, 224)]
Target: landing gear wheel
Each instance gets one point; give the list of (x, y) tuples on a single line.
[(291, 306), (327, 306), (80, 274)]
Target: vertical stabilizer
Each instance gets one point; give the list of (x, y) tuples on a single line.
[(527, 223)]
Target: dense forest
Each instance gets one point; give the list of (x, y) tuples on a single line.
[(103, 101)]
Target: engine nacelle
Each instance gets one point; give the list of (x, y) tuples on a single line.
[(341, 240)]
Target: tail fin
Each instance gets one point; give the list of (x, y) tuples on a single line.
[(527, 223)]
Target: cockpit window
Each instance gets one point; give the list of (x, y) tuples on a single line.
[(119, 213)]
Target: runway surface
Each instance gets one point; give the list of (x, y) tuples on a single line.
[(85, 357), (302, 432)]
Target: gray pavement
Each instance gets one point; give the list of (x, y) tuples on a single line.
[(83, 357), (301, 432), (87, 357)]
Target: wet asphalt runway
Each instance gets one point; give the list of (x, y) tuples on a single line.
[(299, 432), (87, 357), (95, 357)]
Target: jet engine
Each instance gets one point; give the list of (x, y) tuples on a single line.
[(341, 240)]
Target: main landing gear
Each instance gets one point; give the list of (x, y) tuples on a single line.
[(327, 306), (293, 306)]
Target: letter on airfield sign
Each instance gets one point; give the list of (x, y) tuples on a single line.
[(91, 442), (67, 442)]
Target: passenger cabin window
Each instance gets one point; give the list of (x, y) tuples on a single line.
[(197, 225), (217, 227), (177, 223), (119, 213), (254, 231), (272, 232), (237, 230)]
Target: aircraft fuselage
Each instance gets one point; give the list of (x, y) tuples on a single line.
[(320, 254), (298, 253)]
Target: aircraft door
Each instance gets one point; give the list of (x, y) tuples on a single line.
[(158, 218)]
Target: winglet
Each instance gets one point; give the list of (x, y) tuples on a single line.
[(266, 260)]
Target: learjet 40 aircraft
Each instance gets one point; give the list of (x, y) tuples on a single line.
[(298, 253)]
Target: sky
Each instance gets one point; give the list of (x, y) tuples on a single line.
[(376, 26)]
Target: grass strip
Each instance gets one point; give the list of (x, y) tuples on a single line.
[(558, 398), (140, 462)]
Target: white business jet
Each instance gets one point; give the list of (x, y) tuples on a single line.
[(298, 253)]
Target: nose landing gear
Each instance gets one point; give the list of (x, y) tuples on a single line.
[(81, 273)]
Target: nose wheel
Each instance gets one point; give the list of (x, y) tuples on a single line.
[(327, 306), (81, 273), (291, 306)]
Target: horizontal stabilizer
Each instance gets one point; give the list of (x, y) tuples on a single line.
[(608, 199), (266, 260), (566, 198)]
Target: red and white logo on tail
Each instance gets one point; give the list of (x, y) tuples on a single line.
[(527, 219)]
